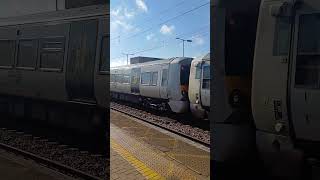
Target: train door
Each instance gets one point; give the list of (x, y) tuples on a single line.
[(102, 74), (305, 78), (81, 60), (205, 85), (164, 83), (135, 80)]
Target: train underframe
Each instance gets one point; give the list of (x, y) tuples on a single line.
[(83, 119), (151, 103), (199, 111)]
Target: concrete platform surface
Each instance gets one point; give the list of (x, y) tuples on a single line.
[(143, 151)]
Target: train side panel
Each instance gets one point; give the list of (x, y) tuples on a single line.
[(36, 54), (149, 83)]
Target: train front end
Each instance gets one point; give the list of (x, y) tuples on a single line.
[(178, 84)]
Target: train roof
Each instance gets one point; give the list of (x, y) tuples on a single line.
[(165, 61), (205, 57), (68, 14)]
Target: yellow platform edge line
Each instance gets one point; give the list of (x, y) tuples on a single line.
[(142, 168)]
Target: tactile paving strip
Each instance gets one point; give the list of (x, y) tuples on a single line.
[(140, 166), (169, 169), (121, 169), (169, 145)]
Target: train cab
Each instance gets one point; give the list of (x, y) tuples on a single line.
[(199, 86)]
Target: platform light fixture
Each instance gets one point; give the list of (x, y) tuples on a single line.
[(127, 54), (183, 40)]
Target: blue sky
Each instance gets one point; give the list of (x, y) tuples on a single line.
[(150, 27)]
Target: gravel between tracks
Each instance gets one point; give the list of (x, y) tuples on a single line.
[(166, 122), (94, 165)]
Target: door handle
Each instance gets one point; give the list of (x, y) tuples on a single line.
[(284, 60)]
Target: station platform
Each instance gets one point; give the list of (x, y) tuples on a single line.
[(142, 151), (14, 167)]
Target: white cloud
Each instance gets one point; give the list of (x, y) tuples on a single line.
[(121, 13), (120, 20), (198, 40), (120, 26), (115, 12), (166, 29), (150, 36), (142, 5), (118, 62), (128, 14)]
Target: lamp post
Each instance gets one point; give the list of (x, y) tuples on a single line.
[(183, 40), (127, 54)]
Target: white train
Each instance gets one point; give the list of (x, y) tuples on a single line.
[(199, 86), (162, 84)]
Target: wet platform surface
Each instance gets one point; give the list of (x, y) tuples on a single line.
[(153, 152), (14, 167)]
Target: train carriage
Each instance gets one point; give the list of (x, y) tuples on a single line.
[(54, 65), (274, 51), (157, 84)]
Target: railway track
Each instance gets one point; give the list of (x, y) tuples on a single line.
[(49, 163), (59, 157), (193, 133)]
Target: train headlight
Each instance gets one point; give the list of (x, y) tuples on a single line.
[(197, 98), (278, 127)]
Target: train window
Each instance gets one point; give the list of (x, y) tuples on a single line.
[(126, 79), (281, 37), (7, 51), (206, 77), (154, 80), (308, 54), (206, 72), (164, 81), (112, 78), (240, 35), (104, 55), (184, 74), (119, 78), (309, 38), (27, 53), (198, 71), (69, 4), (52, 53), (145, 78)]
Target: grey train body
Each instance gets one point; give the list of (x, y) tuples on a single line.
[(271, 45), (163, 84), (54, 65), (157, 83)]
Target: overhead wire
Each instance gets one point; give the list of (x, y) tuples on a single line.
[(166, 41), (158, 14), (166, 21)]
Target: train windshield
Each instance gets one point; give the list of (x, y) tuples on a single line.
[(206, 77), (184, 75), (308, 55)]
